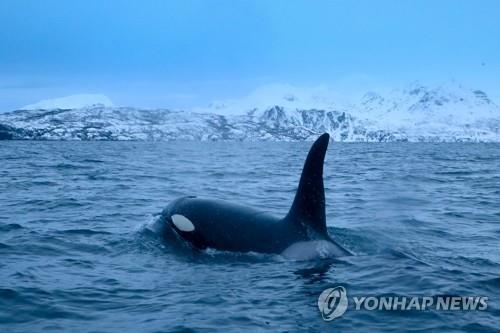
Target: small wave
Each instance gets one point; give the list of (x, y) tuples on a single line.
[(479, 327), (43, 183), (4, 246), (476, 261), (36, 202), (78, 263), (407, 201), (70, 166), (10, 227), (493, 283), (455, 173), (239, 257), (400, 254), (439, 233), (87, 232), (90, 160), (454, 214), (151, 220), (423, 179), (412, 221), (7, 293), (107, 281), (24, 275)]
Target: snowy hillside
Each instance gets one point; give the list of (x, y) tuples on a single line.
[(418, 113), (70, 102)]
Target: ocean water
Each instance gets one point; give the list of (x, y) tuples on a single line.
[(78, 252)]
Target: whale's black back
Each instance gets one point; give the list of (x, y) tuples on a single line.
[(231, 227)]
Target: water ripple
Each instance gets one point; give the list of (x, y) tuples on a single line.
[(79, 251)]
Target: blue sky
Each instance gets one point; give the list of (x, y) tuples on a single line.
[(188, 52)]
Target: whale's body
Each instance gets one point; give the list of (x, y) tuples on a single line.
[(302, 233)]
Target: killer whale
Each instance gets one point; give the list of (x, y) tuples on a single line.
[(301, 234)]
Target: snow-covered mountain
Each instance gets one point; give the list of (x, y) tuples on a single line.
[(71, 102), (418, 113), (284, 95)]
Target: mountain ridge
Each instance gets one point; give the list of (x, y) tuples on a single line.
[(417, 114), (70, 102)]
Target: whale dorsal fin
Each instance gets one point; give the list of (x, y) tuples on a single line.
[(308, 207)]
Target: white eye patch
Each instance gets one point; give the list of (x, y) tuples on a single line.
[(182, 223)]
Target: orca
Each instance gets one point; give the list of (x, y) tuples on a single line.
[(301, 234)]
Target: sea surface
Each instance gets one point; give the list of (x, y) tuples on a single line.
[(78, 252)]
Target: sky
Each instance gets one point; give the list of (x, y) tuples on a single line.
[(184, 53)]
